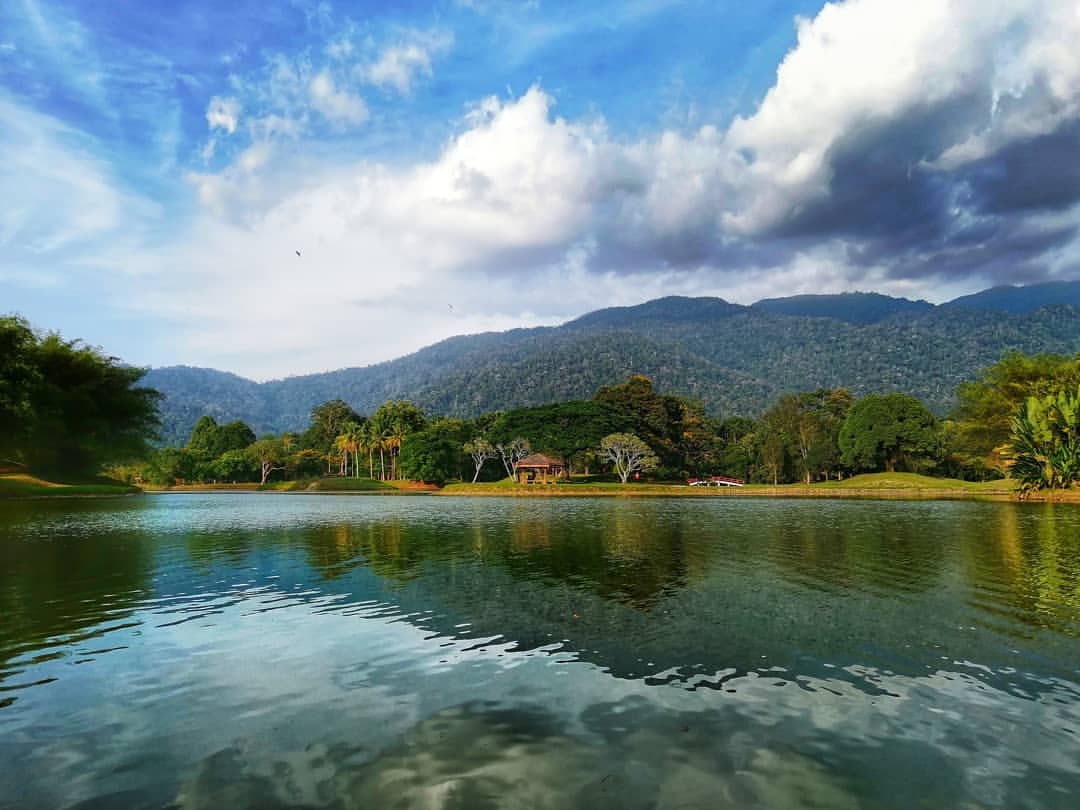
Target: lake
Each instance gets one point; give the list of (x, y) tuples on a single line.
[(260, 650)]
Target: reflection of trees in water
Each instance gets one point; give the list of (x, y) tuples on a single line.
[(63, 583), (1025, 565), (888, 551), (632, 558)]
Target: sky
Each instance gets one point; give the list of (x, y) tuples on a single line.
[(278, 188)]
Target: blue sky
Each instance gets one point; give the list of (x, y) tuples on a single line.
[(461, 166)]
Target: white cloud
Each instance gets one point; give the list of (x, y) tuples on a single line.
[(398, 66), (57, 195), (525, 217), (223, 113), (869, 63), (336, 105)]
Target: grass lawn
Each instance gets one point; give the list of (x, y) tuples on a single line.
[(894, 484), (25, 485), (330, 485), (914, 481)]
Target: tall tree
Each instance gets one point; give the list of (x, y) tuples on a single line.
[(88, 408), (888, 430), (511, 452), (19, 377), (326, 423), (628, 454), (270, 455), (479, 450), (657, 418), (983, 419)]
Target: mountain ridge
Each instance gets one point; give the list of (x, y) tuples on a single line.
[(735, 359)]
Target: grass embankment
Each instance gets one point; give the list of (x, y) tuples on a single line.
[(876, 485), (897, 485), (26, 485), (573, 488), (339, 485), (330, 485)]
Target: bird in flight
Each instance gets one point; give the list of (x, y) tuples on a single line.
[(298, 253)]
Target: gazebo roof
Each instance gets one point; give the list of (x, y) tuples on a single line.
[(538, 460)]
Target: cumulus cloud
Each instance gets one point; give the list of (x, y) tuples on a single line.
[(223, 113), (924, 150), (398, 66), (888, 125)]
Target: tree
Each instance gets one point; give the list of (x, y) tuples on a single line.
[(480, 450), (886, 430), (19, 377), (983, 420), (434, 454), (394, 422), (658, 418), (564, 429), (1044, 448), (628, 453), (270, 454), (87, 409), (204, 438), (234, 465), (511, 452), (235, 435), (326, 423)]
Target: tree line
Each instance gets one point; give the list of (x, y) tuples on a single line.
[(67, 407), (632, 428)]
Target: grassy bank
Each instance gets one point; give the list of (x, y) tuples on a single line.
[(907, 486), (330, 485), (25, 485), (342, 485), (878, 485)]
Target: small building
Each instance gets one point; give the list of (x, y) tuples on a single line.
[(539, 469)]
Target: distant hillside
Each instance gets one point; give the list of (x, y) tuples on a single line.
[(1022, 299), (856, 307), (735, 359)]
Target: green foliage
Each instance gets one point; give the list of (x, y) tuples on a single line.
[(270, 454), (65, 406), (1044, 450), (801, 433), (236, 466), (19, 377), (658, 418), (327, 421), (434, 455), (882, 431), (567, 429), (983, 420), (628, 453), (734, 360)]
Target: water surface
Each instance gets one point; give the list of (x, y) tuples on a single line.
[(258, 650)]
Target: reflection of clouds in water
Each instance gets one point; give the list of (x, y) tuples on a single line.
[(468, 757), (620, 743)]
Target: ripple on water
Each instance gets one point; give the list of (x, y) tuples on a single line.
[(268, 650)]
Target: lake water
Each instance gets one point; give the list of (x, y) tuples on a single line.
[(247, 650)]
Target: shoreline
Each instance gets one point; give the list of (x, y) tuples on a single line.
[(792, 491)]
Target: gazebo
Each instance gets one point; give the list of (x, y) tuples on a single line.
[(539, 469)]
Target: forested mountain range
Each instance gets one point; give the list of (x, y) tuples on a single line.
[(735, 359)]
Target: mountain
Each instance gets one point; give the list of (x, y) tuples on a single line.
[(1022, 299), (735, 359), (854, 307)]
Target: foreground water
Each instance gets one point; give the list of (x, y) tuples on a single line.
[(227, 650)]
